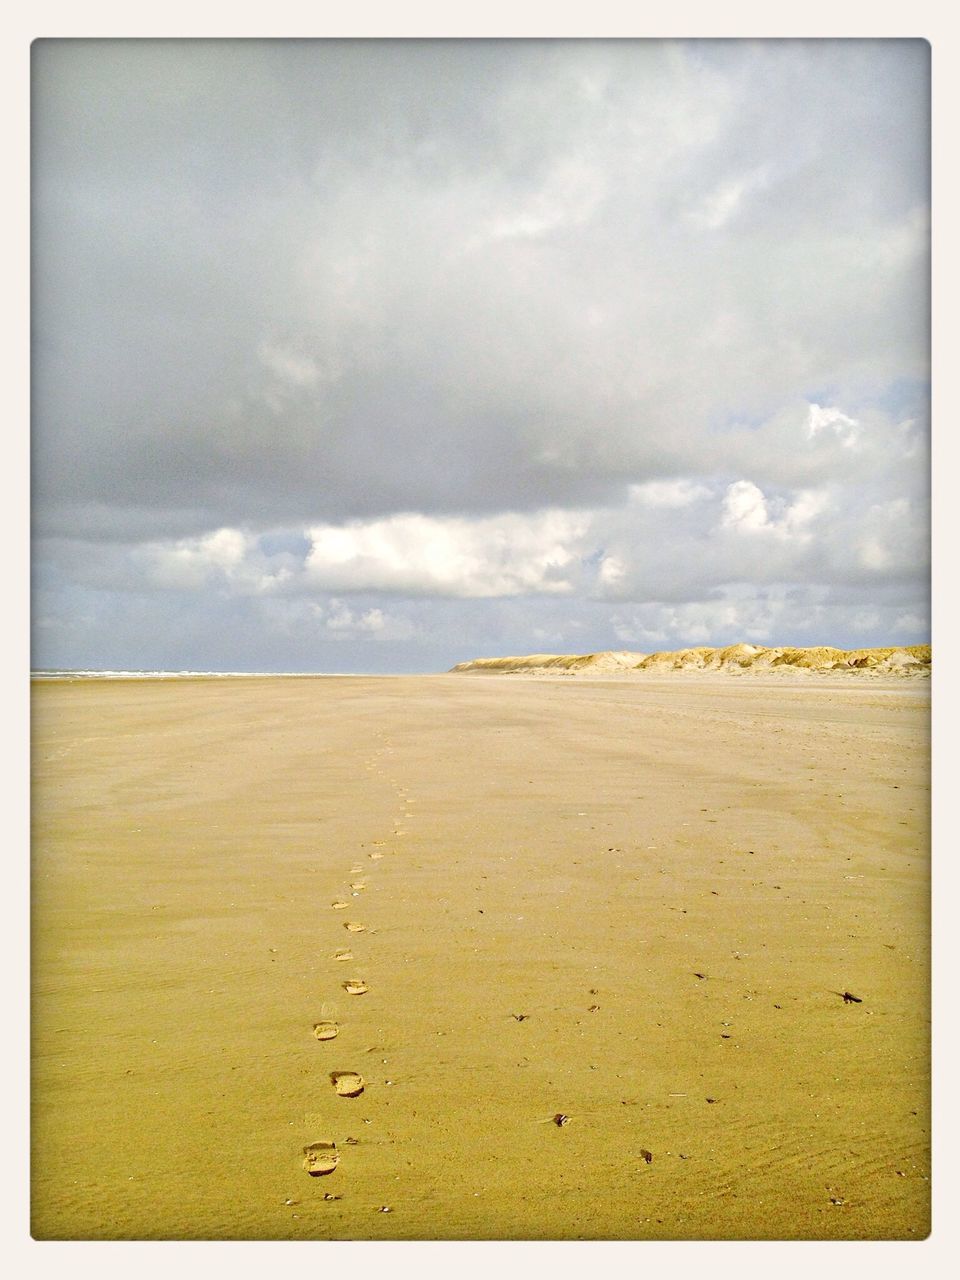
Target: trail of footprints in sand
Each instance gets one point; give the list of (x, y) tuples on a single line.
[(322, 1157)]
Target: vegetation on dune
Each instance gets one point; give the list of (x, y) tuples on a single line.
[(913, 659)]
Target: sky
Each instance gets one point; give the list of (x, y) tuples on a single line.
[(383, 355)]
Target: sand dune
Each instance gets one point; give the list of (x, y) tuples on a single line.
[(908, 660), (557, 662)]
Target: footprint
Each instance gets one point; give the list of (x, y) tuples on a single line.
[(339, 906), (343, 955), (320, 1158), (375, 857), (348, 1084), (325, 1030), (358, 886), (355, 987), (354, 927)]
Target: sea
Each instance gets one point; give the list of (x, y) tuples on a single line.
[(57, 673)]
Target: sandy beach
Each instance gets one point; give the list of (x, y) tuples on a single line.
[(642, 959)]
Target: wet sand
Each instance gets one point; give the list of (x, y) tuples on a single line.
[(635, 905)]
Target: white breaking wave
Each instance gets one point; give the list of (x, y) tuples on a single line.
[(70, 674)]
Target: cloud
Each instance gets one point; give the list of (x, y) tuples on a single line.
[(360, 279), (568, 196), (415, 554), (746, 510), (290, 368), (680, 492), (227, 558), (591, 324), (745, 507), (720, 205), (833, 419), (339, 619)]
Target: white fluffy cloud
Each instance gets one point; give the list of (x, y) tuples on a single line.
[(225, 558), (747, 510), (415, 554), (832, 418), (339, 620)]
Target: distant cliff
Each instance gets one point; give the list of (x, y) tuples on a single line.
[(907, 660)]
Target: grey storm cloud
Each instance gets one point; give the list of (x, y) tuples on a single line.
[(422, 319)]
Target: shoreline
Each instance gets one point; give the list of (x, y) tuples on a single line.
[(774, 678)]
